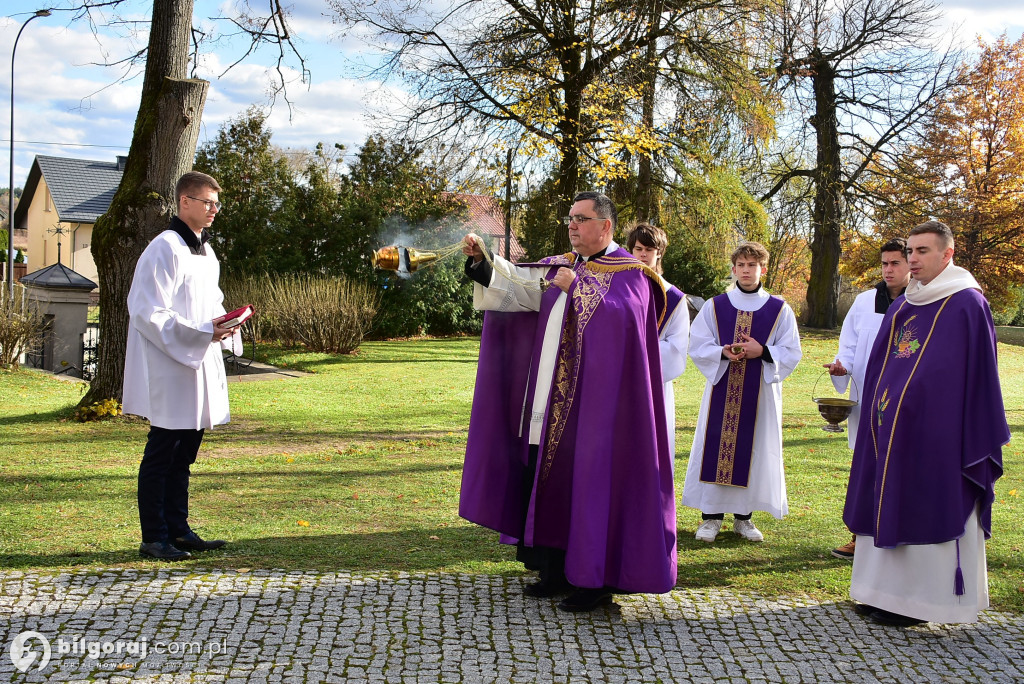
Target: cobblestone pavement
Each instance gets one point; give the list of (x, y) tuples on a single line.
[(268, 626)]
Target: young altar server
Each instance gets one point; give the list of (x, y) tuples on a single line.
[(746, 343), (173, 371), (648, 243)]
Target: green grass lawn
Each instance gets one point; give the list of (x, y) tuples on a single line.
[(357, 467)]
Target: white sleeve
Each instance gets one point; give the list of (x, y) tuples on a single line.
[(784, 344), (503, 294), (149, 309), (674, 341), (848, 339), (705, 349)]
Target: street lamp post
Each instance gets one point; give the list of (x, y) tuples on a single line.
[(10, 190)]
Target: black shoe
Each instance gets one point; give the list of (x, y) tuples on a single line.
[(863, 609), (193, 542), (163, 550), (884, 617), (585, 600), (546, 589)]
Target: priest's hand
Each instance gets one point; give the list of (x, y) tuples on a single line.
[(471, 247), (563, 279), (835, 368)]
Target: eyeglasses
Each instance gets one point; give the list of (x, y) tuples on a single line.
[(206, 203), (579, 218)]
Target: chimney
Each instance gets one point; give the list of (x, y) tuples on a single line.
[(121, 161)]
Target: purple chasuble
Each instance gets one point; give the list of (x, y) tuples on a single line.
[(732, 410), (603, 487), (673, 298), (936, 424)]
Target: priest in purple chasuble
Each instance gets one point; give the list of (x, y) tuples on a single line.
[(925, 464), (567, 454), (745, 342)]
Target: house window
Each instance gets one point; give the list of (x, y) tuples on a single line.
[(48, 206)]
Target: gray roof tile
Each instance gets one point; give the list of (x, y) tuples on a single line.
[(82, 189)]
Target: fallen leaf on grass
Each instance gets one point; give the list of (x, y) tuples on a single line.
[(302, 523), (434, 536)]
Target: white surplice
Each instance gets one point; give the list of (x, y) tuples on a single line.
[(766, 489), (673, 341), (174, 371), (855, 340), (918, 580)]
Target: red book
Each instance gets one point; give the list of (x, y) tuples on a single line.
[(237, 317)]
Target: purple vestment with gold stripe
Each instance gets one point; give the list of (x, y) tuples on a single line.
[(929, 448), (732, 412), (603, 488)]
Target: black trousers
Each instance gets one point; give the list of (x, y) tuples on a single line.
[(721, 516), (163, 482), (549, 563)]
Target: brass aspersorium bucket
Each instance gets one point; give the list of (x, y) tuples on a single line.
[(833, 409)]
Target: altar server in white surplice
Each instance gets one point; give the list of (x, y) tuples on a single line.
[(858, 335), (648, 243), (745, 342), (174, 372)]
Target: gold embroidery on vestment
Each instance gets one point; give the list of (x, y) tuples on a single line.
[(593, 283), (590, 290), (733, 403), (899, 405)]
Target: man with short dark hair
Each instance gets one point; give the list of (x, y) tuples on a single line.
[(858, 335), (174, 372), (925, 465), (567, 454)]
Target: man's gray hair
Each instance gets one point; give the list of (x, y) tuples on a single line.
[(604, 207)]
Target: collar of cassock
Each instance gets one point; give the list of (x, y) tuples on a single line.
[(196, 243), (745, 291), (576, 256), (883, 300)]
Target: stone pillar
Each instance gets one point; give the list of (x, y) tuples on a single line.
[(66, 312), (62, 298)]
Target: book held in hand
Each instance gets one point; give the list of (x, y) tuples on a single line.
[(237, 317)]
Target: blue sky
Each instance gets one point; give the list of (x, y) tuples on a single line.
[(85, 111)]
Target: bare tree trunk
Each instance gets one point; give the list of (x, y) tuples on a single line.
[(163, 147), (647, 209), (823, 289), (569, 166)]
